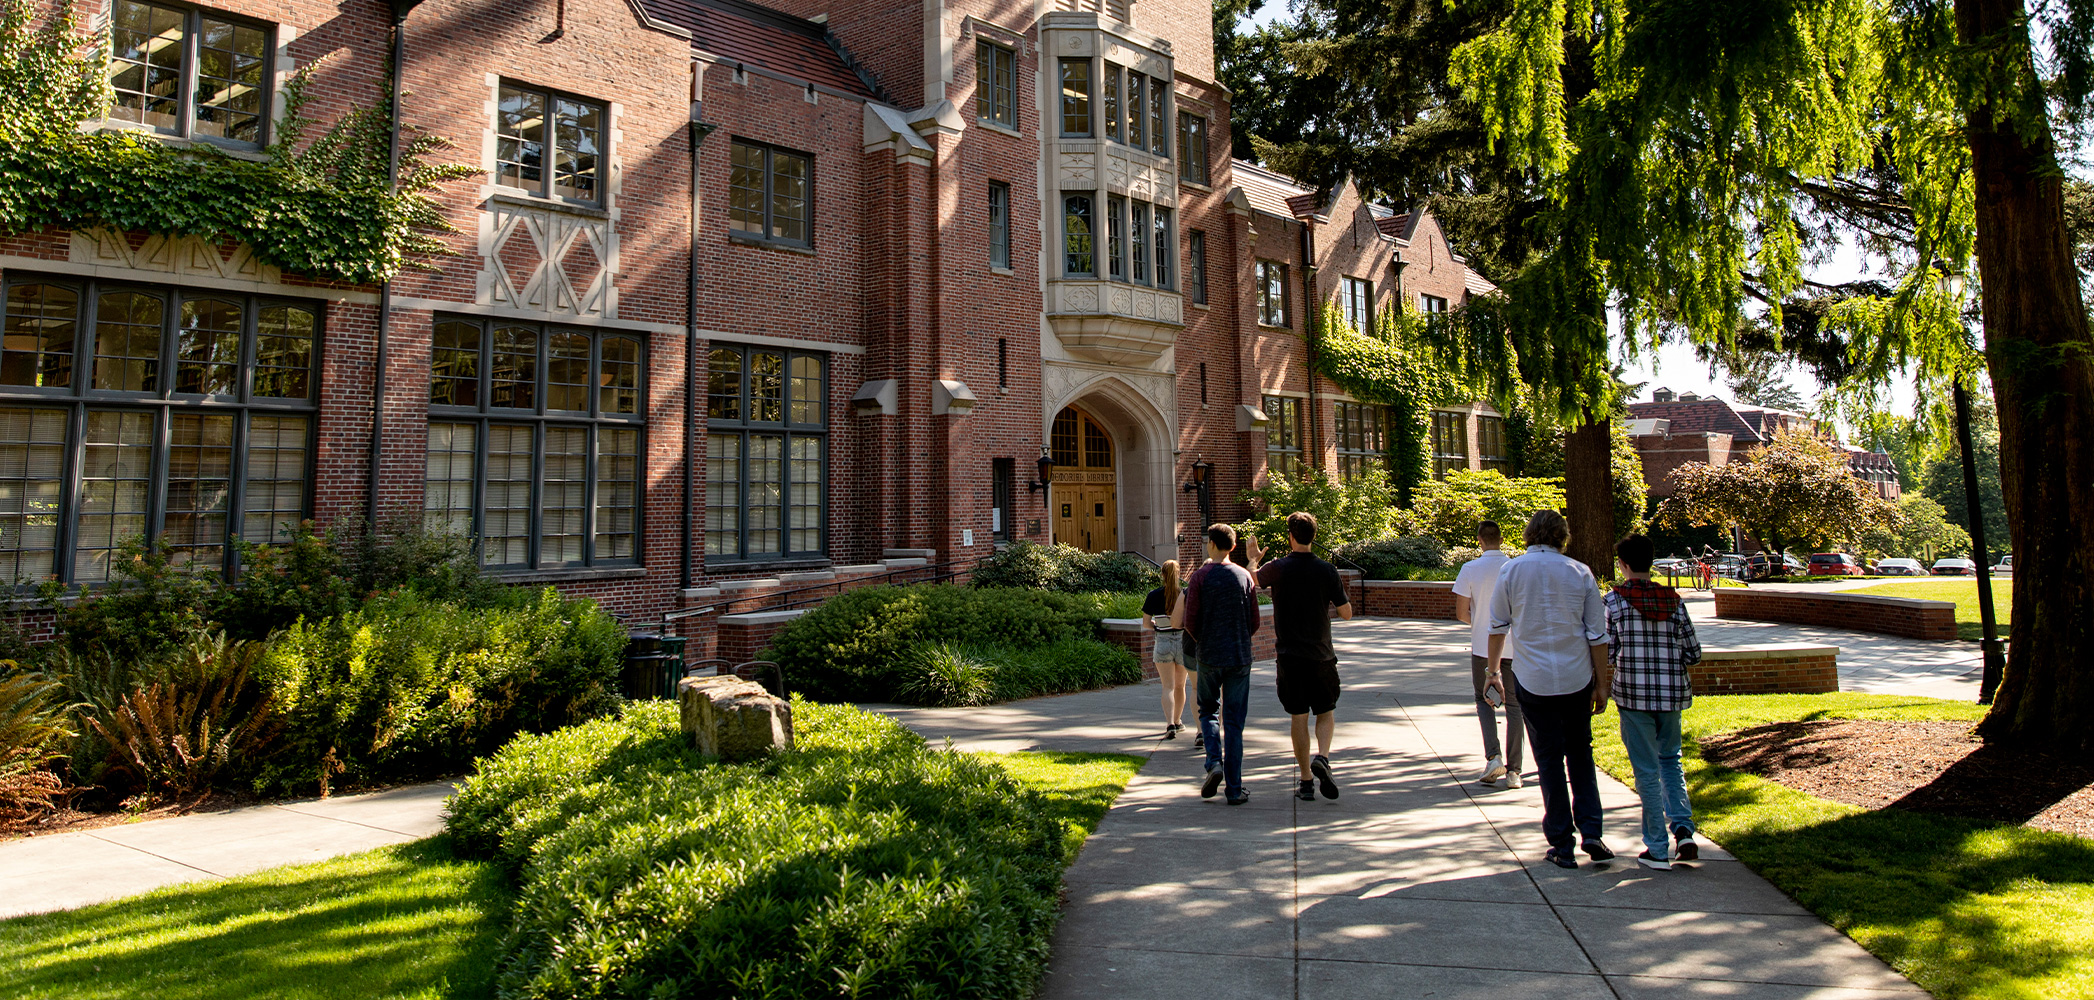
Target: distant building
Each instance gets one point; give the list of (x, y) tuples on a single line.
[(1676, 428)]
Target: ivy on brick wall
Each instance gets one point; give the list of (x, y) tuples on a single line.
[(326, 211), (1392, 366)]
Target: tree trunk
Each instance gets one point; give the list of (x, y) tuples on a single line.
[(1588, 486), (2037, 350)]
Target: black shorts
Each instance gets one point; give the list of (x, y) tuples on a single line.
[(1308, 686)]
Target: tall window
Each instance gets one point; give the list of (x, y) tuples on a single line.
[(1139, 228), (1116, 237), (766, 462), (1003, 497), (1166, 243), (1283, 435), (999, 224), (1192, 148), (1490, 443), (1272, 293), (1137, 105), (768, 193), (534, 442), (996, 84), (1076, 97), (1362, 439), (1196, 266), (141, 412), (191, 73), (1432, 304), (1159, 108), (1111, 107), (1079, 245), (550, 144), (1450, 442), (1359, 304)]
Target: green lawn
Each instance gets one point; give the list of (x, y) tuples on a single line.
[(412, 921), (1966, 908), (1964, 592)]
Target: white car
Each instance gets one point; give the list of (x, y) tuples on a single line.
[(1955, 566), (1900, 567), (2005, 567)]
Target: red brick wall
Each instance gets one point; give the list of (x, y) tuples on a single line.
[(1900, 616), (1770, 669), (1409, 599), (741, 637)]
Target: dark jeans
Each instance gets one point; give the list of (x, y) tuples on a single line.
[(1226, 690), (1560, 728)]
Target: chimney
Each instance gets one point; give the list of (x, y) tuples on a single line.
[(1688, 397), (1662, 395)]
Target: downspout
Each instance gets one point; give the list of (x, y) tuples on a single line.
[(698, 131), (385, 288), (1312, 338)]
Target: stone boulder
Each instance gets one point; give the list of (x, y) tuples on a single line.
[(734, 719)]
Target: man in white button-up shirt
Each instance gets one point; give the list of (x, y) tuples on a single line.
[(1548, 607)]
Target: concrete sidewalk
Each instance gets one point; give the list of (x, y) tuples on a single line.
[(63, 871), (1414, 883)]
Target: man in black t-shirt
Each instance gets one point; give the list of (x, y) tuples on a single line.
[(1304, 589)]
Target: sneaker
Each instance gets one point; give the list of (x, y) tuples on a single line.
[(1239, 798), (1598, 850), (1685, 849), (1320, 766), (1307, 791), (1211, 783), (1199, 740), (1561, 858), (1512, 779), (1493, 770), (1170, 732), (1655, 864)]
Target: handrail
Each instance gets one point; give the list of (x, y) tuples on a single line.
[(1130, 552), (934, 574)]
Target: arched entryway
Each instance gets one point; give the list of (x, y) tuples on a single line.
[(1085, 504)]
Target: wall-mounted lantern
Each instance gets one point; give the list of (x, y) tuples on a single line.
[(1046, 466), (1202, 485)]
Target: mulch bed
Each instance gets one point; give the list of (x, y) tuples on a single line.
[(66, 818), (1935, 767)]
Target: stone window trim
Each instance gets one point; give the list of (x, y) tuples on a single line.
[(771, 220), (1136, 110), (233, 442), (490, 190), (273, 66), (546, 188)]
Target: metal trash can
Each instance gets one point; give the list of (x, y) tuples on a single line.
[(646, 667), (672, 663)]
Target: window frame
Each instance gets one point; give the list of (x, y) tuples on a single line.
[(1431, 305), (998, 83), (771, 152), (1196, 265), (540, 418), (1446, 425), (1490, 444), (1163, 265), (1272, 302), (1363, 437), (1357, 303), (787, 431), (80, 398), (548, 169), (1284, 448), (1069, 254), (192, 32), (1003, 499), (999, 225), (1075, 105), (1192, 163)]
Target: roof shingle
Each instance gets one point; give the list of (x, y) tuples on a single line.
[(760, 36)]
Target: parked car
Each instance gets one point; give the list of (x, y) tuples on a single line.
[(1955, 566), (1794, 566), (1732, 565), (1672, 567), (1833, 564), (2005, 567), (1901, 567)]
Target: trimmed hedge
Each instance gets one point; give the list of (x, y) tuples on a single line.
[(897, 644), (861, 863), (1064, 568), (1394, 558)]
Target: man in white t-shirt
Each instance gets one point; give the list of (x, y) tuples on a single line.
[(1473, 589)]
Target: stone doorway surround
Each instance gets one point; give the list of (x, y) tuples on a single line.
[(1135, 409)]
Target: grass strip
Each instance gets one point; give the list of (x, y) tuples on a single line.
[(1963, 593), (412, 922), (1965, 908)]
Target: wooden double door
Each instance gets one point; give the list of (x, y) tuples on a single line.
[(1085, 483)]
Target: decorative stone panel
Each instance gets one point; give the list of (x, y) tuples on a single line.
[(543, 260), (188, 256), (1114, 322)]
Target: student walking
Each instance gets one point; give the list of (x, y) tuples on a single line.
[(1304, 590), (1171, 657), (1651, 642), (1547, 611), (1220, 611), (1474, 587)]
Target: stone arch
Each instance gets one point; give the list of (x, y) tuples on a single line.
[(1144, 438)]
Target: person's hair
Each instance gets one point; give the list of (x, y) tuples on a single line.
[(1549, 528), (1170, 585), (1222, 536), (1301, 526), (1488, 531), (1636, 552)]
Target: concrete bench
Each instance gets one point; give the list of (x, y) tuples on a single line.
[(1908, 617), (1767, 668)]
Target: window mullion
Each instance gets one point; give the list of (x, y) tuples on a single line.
[(591, 443), (477, 522), (236, 490), (69, 490)]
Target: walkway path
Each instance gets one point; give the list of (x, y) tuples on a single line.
[(1414, 883)]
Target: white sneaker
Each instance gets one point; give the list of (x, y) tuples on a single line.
[(1492, 771), (1512, 779)]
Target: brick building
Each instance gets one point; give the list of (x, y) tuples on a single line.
[(1674, 429), (743, 297)]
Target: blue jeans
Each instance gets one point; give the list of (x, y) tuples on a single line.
[(1226, 690), (1559, 727), (1653, 742)]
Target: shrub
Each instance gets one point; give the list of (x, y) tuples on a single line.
[(203, 716), (1058, 667), (859, 864), (148, 608), (32, 730), (1388, 558), (1448, 509), (1346, 511), (406, 686), (1064, 568)]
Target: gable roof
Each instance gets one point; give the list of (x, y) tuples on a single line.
[(759, 36), (1268, 192), (1698, 416)]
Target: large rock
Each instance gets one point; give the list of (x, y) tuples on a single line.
[(734, 719)]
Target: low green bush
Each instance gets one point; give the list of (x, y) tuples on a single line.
[(1394, 558), (860, 863), (1065, 568)]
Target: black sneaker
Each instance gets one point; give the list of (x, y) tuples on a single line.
[(1211, 783), (1685, 849), (1320, 766), (1239, 798), (1199, 740), (1654, 863), (1170, 732), (1307, 791), (1562, 858), (1598, 850)]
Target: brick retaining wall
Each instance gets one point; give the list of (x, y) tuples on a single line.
[(1767, 668), (1900, 616), (1128, 634), (741, 637), (1408, 599)]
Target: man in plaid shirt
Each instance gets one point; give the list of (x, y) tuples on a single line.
[(1651, 642)]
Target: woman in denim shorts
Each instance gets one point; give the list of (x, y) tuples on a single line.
[(1172, 661)]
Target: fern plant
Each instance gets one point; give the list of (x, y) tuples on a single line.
[(178, 734), (32, 724)]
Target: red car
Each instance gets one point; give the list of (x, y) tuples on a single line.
[(1833, 564)]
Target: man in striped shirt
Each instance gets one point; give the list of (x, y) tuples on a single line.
[(1652, 643)]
